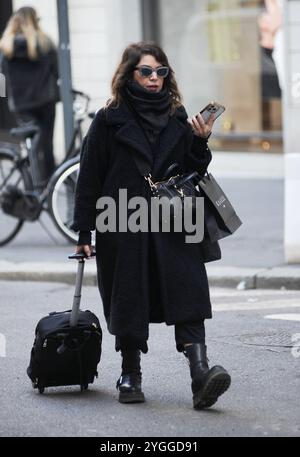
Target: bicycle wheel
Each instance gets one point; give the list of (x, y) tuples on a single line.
[(10, 175), (62, 198)]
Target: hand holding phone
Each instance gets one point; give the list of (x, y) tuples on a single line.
[(202, 125), (212, 108)]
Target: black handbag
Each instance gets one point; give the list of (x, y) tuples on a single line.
[(181, 185), (220, 217), (177, 185)]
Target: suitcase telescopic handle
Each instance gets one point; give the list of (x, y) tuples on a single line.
[(78, 285)]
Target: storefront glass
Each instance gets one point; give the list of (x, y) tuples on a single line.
[(229, 51)]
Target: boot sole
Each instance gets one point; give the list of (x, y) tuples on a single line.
[(216, 385), (132, 397)]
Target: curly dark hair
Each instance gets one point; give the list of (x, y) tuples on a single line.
[(130, 58)]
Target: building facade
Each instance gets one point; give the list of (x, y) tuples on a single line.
[(214, 47)]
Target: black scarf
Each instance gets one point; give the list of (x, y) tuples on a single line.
[(151, 108)]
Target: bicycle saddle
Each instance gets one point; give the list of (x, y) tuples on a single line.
[(26, 131)]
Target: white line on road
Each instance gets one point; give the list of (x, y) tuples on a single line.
[(284, 317), (2, 345), (246, 306)]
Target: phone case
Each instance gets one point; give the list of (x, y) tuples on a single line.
[(212, 108)]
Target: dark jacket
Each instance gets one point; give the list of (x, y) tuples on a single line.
[(142, 277), (30, 83)]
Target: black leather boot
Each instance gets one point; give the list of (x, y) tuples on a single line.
[(207, 383), (130, 382)]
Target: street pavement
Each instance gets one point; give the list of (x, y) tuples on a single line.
[(255, 334)]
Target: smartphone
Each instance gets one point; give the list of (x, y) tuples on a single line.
[(212, 108)]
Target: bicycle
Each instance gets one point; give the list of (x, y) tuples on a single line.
[(23, 197)]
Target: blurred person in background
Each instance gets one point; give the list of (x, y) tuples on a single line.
[(269, 23), (28, 60)]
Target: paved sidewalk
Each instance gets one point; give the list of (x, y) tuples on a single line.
[(253, 165), (281, 277)]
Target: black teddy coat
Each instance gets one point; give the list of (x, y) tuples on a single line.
[(142, 277)]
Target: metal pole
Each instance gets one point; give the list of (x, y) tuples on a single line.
[(64, 57), (77, 296), (150, 20)]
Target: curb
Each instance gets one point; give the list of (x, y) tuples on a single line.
[(46, 272), (286, 277), (283, 277), (233, 277)]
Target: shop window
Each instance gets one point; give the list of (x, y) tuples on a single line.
[(230, 52)]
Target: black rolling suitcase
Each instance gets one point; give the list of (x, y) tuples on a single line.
[(67, 345)]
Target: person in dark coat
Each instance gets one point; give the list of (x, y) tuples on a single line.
[(29, 62), (143, 276)]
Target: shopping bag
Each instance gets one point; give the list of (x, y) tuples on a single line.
[(220, 217)]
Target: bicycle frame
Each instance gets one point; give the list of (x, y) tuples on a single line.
[(19, 163), (30, 145), (38, 194), (72, 151)]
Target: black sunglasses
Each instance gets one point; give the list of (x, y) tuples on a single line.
[(146, 71)]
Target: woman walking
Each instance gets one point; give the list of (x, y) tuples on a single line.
[(147, 277), (29, 62)]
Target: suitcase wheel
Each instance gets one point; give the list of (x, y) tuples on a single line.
[(41, 390), (84, 387)]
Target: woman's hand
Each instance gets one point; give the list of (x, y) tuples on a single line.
[(200, 128), (85, 248)]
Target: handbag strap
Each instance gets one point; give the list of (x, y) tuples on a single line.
[(170, 169), (141, 163), (189, 177), (144, 169)]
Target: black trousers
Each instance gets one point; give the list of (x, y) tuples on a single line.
[(44, 117), (189, 332)]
